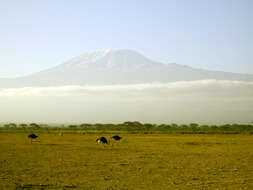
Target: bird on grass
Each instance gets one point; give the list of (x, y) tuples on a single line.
[(102, 140), (115, 138), (33, 137)]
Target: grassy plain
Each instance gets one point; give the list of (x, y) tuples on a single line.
[(140, 161)]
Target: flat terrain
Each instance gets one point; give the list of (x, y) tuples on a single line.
[(157, 161)]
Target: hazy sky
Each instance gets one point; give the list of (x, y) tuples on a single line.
[(212, 34), (205, 102)]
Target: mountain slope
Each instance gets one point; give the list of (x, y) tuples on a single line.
[(116, 67)]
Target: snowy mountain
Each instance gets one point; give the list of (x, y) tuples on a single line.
[(115, 66)]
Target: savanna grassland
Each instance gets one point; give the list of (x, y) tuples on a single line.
[(140, 161)]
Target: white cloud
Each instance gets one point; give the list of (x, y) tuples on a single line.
[(191, 87), (207, 101)]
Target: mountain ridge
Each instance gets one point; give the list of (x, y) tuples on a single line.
[(116, 66)]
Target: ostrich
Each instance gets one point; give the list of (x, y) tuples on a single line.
[(33, 136), (102, 140), (115, 138)]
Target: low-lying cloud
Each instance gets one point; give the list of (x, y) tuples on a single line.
[(207, 101)]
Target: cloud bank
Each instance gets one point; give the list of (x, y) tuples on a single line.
[(206, 101)]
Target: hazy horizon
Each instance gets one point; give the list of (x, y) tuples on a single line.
[(203, 102)]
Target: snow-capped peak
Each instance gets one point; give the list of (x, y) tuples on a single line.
[(110, 58)]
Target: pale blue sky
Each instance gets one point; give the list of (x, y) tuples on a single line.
[(209, 34)]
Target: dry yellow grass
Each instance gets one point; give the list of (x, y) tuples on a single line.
[(75, 161)]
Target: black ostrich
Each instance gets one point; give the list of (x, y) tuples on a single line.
[(115, 138), (102, 140), (33, 136)]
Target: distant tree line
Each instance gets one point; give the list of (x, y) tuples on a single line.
[(135, 126)]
